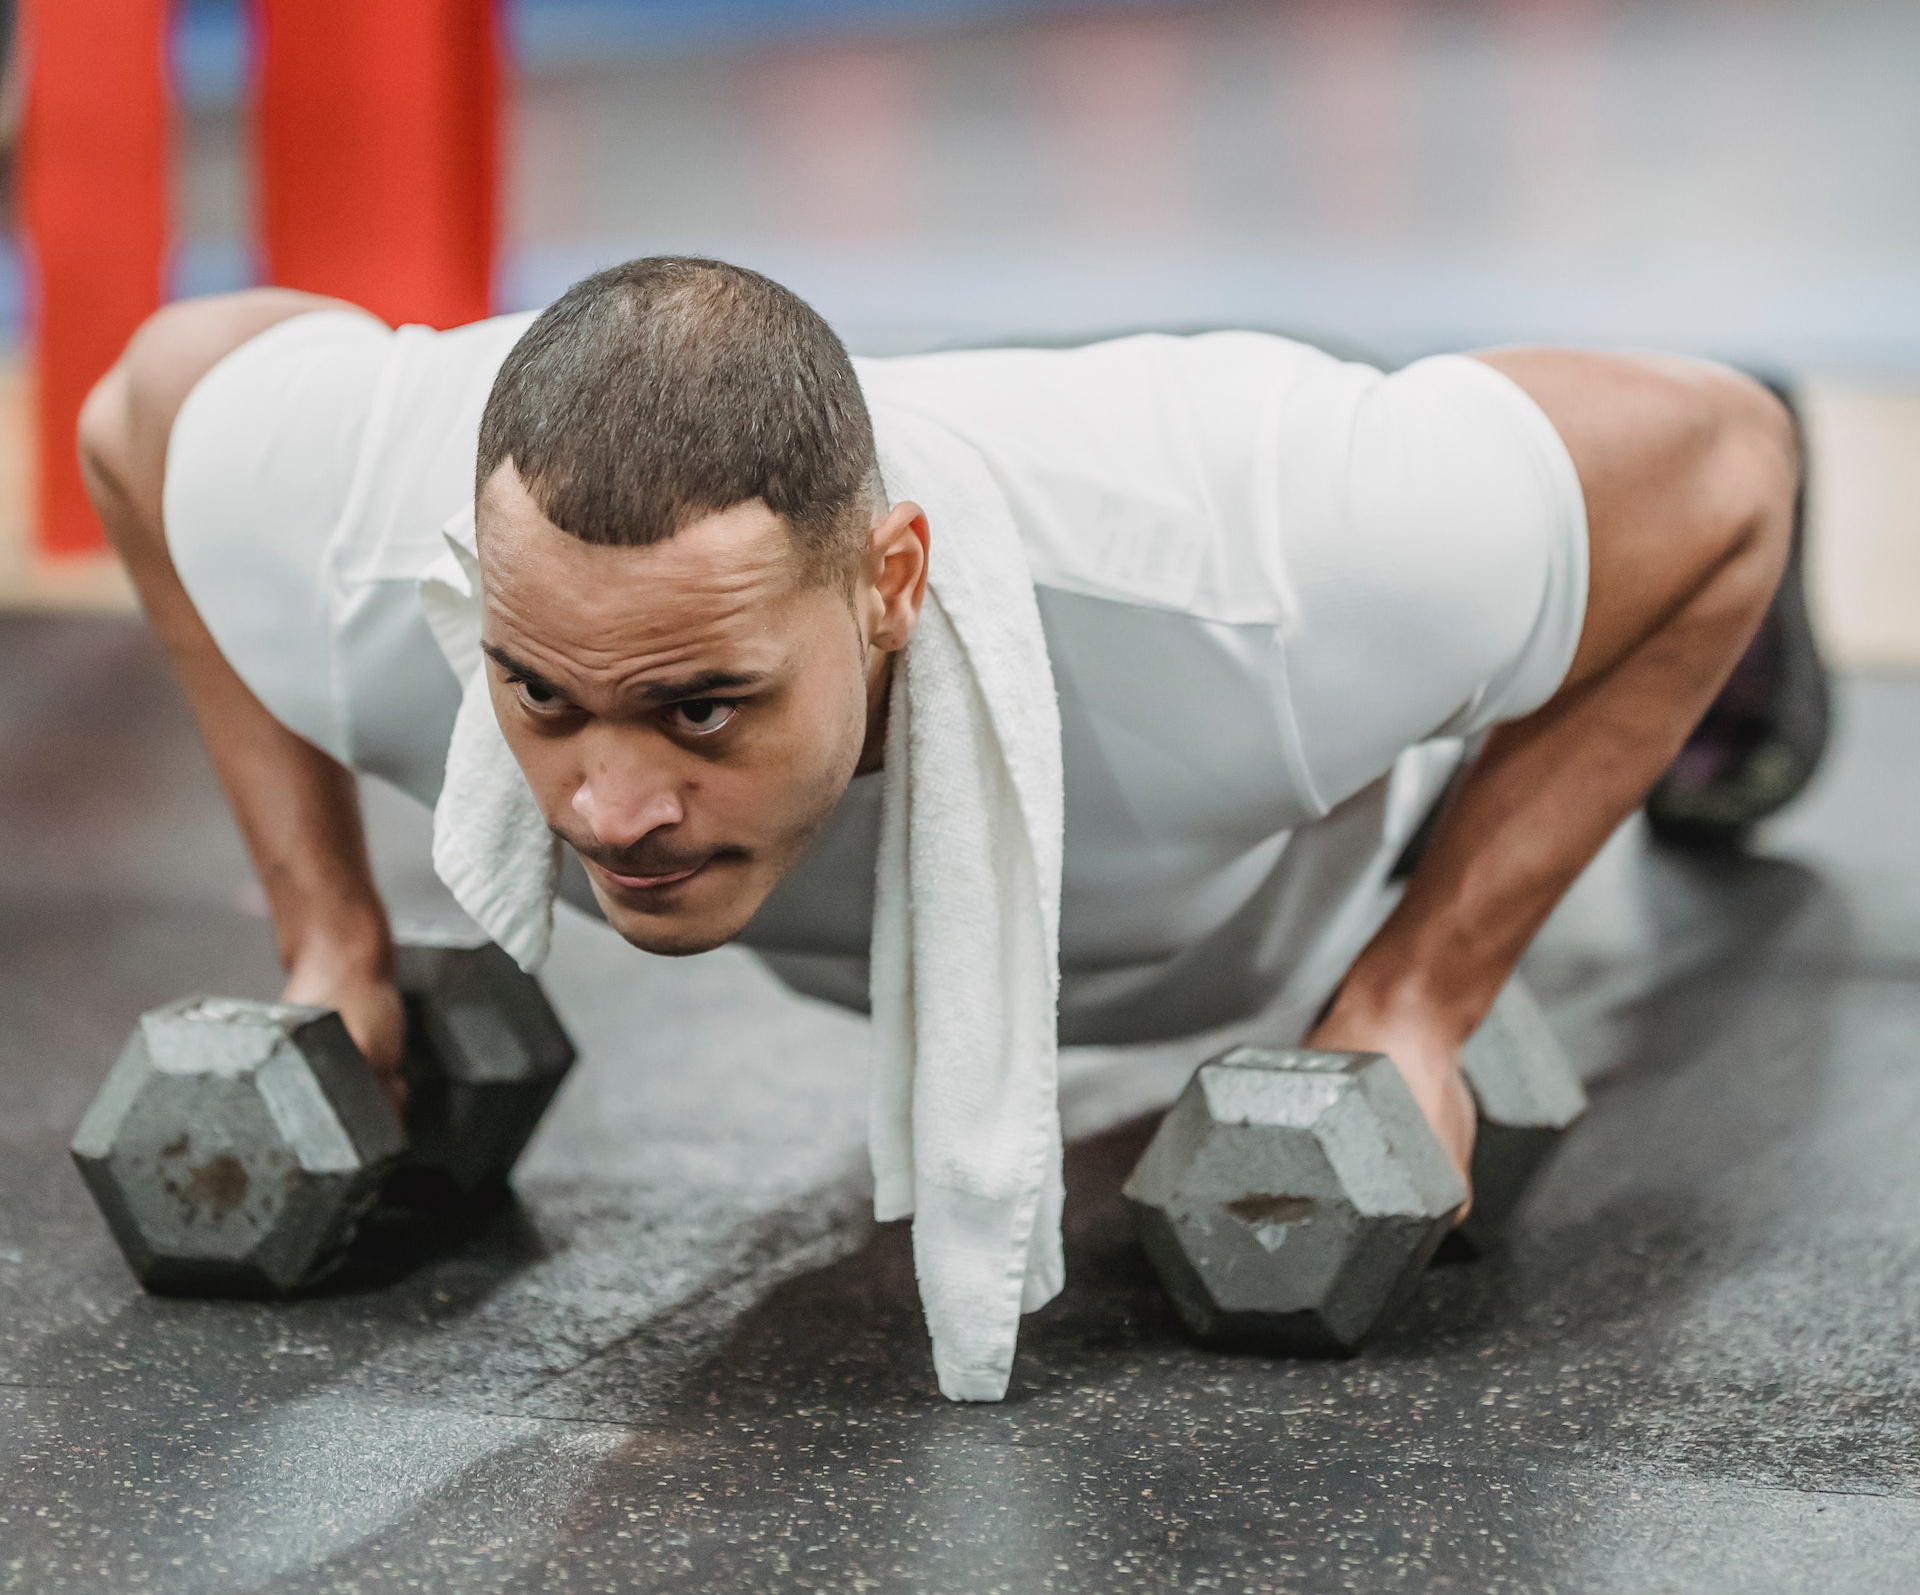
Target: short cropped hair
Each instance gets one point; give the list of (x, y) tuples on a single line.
[(656, 393)]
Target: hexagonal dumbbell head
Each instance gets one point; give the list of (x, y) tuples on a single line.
[(1527, 1093), (1290, 1198), (235, 1145), (485, 1054)]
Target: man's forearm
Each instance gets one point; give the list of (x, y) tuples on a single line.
[(1540, 800), (297, 809), (299, 813)]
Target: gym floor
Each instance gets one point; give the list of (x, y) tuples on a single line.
[(684, 1359)]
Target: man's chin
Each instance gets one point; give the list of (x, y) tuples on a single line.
[(676, 935), (669, 941)]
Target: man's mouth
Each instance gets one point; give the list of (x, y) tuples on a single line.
[(646, 883)]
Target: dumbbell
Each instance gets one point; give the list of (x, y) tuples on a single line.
[(236, 1145), (1527, 1094), (1290, 1198)]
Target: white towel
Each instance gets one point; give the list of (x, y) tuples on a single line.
[(965, 1119), (965, 1123), (491, 846)]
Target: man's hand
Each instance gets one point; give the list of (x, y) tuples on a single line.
[(369, 1005), (1427, 1060)]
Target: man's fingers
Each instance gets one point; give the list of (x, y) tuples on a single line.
[(1461, 1152), (1431, 1068), (376, 1020), (1442, 1095), (387, 1072)]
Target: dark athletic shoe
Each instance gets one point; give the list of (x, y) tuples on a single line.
[(1761, 739)]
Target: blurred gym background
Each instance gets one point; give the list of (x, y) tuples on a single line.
[(1739, 178)]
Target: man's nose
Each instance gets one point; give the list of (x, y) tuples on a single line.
[(621, 801)]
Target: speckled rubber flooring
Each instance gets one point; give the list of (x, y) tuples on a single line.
[(684, 1361)]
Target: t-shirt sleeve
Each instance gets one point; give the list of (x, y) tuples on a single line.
[(1434, 534)]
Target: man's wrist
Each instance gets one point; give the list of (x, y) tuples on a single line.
[(1404, 1003), (350, 946)]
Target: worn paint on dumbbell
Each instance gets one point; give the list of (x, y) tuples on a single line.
[(221, 1183)]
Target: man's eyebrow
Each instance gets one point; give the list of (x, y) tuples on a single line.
[(701, 684), (525, 673)]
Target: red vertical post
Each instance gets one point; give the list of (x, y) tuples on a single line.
[(94, 196), (376, 142)]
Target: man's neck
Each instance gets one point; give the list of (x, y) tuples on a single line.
[(879, 680)]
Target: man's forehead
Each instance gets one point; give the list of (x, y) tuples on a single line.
[(743, 552), (707, 598)]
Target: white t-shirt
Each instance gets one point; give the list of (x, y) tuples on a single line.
[(1264, 574), (1277, 589)]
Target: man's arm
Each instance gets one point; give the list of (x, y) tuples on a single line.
[(297, 808), (1689, 473)]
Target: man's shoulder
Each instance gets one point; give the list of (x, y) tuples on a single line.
[(1137, 469), (1095, 362), (1118, 406)]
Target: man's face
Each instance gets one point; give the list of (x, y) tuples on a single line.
[(687, 713)]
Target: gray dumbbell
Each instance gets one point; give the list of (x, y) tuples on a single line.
[(485, 1053), (235, 1146), (1290, 1199)]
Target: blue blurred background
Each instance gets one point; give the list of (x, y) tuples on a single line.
[(1738, 177)]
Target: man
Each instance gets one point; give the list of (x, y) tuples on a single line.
[(1280, 594)]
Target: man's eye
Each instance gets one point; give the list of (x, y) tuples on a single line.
[(703, 716), (538, 699)]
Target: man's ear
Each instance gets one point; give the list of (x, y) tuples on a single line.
[(893, 576)]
